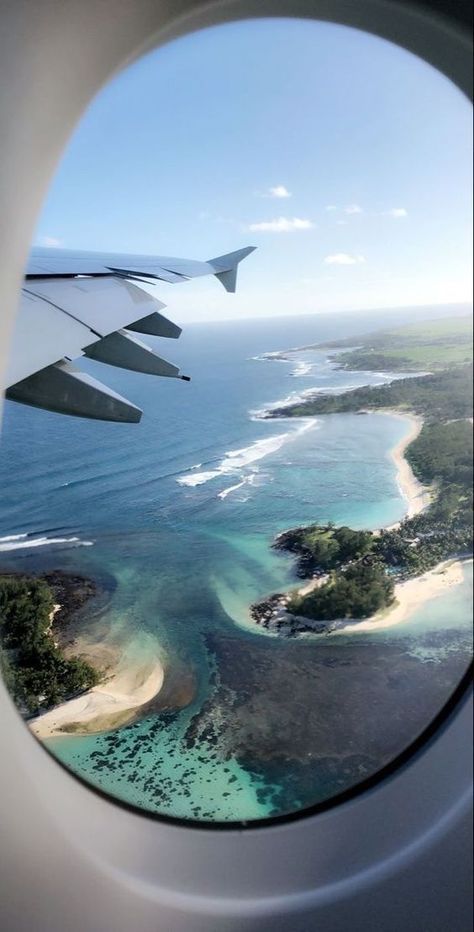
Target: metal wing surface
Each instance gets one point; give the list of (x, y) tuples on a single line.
[(86, 304)]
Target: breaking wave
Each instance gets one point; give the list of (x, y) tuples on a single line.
[(302, 369), (372, 379), (247, 480), (293, 398), (24, 541), (236, 460), (277, 356)]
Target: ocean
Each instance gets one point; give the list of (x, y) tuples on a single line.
[(174, 517)]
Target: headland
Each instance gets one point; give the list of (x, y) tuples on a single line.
[(377, 577)]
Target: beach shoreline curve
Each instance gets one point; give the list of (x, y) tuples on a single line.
[(112, 703)]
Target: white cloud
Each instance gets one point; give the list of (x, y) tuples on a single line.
[(49, 241), (353, 209), (281, 225), (397, 212), (279, 191), (331, 207), (343, 258), (341, 223)]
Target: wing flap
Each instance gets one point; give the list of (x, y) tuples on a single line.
[(79, 303), (62, 319), (42, 335), (155, 325), (158, 273), (127, 352), (66, 390)]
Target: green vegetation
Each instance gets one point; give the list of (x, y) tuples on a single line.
[(444, 396), (362, 566), (324, 547), (429, 345), (443, 453), (358, 561), (35, 671), (357, 591)]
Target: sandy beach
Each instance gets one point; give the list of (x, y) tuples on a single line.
[(410, 595), (108, 705), (416, 495)]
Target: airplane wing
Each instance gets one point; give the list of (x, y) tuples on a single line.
[(89, 304)]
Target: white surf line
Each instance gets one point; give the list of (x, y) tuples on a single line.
[(236, 460), (247, 480), (10, 537), (23, 542), (233, 488), (294, 398), (299, 397), (302, 369)]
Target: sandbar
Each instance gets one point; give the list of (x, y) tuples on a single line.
[(108, 705)]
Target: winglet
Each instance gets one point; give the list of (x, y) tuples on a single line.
[(226, 266)]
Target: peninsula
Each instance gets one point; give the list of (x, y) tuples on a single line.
[(357, 575), (62, 681)]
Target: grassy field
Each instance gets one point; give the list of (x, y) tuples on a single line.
[(436, 344)]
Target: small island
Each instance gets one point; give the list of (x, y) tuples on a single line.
[(356, 575)]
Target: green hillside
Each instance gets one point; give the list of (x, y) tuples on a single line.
[(435, 344)]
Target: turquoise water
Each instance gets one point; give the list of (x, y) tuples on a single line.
[(175, 517)]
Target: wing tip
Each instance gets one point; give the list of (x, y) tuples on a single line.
[(226, 266)]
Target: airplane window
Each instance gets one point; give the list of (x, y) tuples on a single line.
[(256, 597)]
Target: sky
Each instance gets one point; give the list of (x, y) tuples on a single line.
[(344, 159)]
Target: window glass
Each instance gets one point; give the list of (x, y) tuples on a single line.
[(258, 596)]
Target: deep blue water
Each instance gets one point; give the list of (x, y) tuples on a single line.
[(181, 510)]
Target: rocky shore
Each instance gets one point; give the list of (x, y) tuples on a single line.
[(273, 615), (291, 541), (70, 593)]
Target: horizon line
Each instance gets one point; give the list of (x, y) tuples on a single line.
[(367, 310)]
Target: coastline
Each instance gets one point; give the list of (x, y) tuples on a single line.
[(127, 682), (410, 595), (112, 703), (128, 688), (417, 495)]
